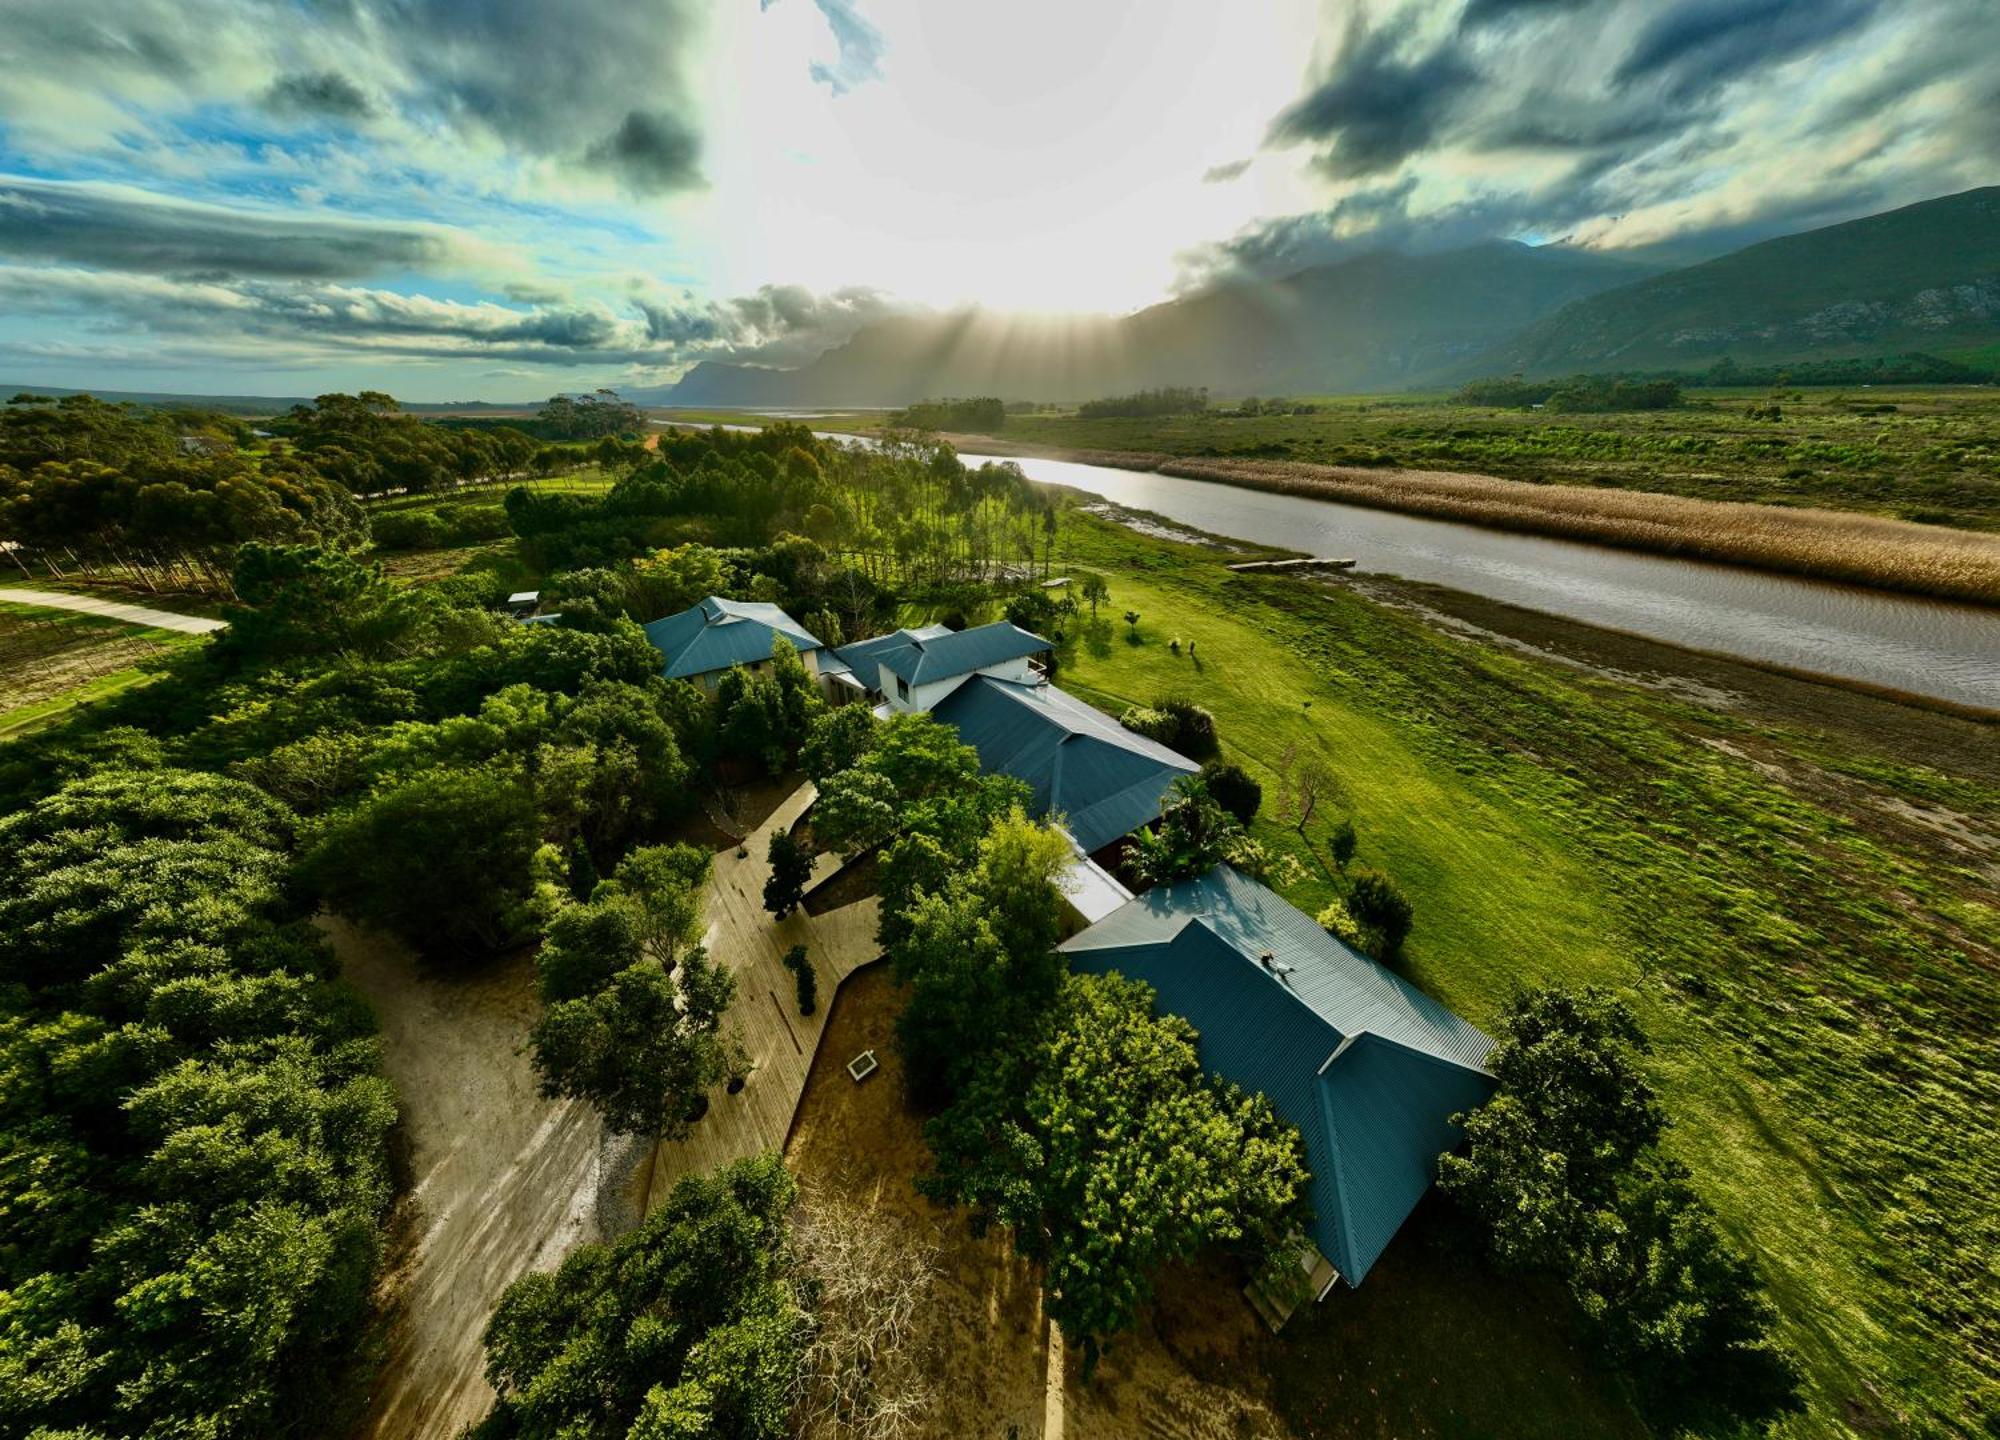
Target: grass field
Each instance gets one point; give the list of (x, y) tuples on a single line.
[(53, 660), (1803, 912), (1930, 455)]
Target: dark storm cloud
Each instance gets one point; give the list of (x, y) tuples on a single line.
[(1694, 48), (651, 151), (122, 229), (1377, 108), (320, 93)]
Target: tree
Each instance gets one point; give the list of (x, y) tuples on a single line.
[(799, 963), (1340, 844), (914, 762), (687, 1327), (1095, 592), (633, 1007), (1109, 1150), (1233, 790), (193, 1153), (979, 955), (1378, 904), (872, 1368), (791, 871), (1306, 780), (1563, 1170), (1194, 835), (443, 859), (835, 740)]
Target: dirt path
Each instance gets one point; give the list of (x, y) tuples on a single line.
[(502, 1181), (111, 610)]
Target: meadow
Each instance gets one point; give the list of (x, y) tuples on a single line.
[(1925, 455)]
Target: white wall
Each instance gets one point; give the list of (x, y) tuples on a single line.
[(928, 695)]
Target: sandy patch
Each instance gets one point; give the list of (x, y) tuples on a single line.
[(502, 1181)]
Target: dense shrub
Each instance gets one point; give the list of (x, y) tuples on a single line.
[(1233, 790), (192, 1137), (1177, 723), (686, 1327), (1378, 904)]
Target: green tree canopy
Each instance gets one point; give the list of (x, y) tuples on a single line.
[(1108, 1149), (685, 1329)]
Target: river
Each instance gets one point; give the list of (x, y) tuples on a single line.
[(1926, 647), (1937, 648)]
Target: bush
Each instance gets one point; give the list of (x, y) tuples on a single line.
[(1176, 722), (800, 964), (1233, 790), (1339, 922), (1378, 904)]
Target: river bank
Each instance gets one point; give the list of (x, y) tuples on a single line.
[(1848, 548), (1790, 881)]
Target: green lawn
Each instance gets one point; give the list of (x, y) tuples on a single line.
[(53, 660), (1820, 981)]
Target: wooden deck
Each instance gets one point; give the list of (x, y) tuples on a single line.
[(743, 936)]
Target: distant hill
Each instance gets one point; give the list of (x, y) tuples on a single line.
[(1374, 322), (250, 405), (1923, 278)]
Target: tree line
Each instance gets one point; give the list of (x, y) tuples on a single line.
[(1579, 394)]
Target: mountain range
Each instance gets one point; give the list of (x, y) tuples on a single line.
[(1925, 277)]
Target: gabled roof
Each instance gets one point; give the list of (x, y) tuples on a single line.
[(1101, 778), (1367, 1066), (863, 656), (718, 633), (935, 653)]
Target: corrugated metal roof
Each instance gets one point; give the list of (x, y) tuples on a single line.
[(718, 633), (1081, 764), (1367, 1066), (862, 657), (923, 658)]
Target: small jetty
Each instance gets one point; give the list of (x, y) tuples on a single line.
[(1313, 563)]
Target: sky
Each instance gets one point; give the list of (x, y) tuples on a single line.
[(502, 199)]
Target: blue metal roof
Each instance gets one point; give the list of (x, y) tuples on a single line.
[(935, 653), (1081, 764), (718, 633), (1367, 1066), (863, 656)]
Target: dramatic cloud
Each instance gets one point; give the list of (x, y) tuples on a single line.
[(1377, 108), (1626, 123), (124, 229), (778, 325), (599, 83), (1696, 48)]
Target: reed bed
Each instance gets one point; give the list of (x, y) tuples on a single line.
[(1823, 544)]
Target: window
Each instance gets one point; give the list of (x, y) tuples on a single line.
[(902, 688)]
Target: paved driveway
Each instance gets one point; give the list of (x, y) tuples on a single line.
[(111, 610)]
